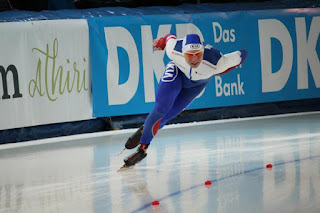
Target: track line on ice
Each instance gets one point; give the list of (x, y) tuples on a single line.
[(220, 179)]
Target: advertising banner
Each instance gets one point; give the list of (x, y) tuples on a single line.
[(282, 63), (44, 71)]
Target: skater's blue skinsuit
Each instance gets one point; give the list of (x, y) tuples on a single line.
[(180, 84)]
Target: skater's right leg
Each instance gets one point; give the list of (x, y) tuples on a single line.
[(167, 92)]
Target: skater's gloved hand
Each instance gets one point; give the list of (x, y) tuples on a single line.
[(160, 43), (243, 54)]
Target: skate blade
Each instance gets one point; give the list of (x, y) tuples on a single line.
[(124, 167), (122, 151)]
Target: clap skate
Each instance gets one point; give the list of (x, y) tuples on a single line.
[(136, 157), (134, 140)]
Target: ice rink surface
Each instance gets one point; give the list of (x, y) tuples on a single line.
[(79, 173)]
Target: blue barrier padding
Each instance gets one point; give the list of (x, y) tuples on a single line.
[(17, 16), (53, 130), (219, 113)]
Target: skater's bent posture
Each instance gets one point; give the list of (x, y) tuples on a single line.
[(193, 63)]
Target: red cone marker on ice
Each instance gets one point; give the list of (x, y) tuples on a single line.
[(269, 166), (208, 184), (155, 203)]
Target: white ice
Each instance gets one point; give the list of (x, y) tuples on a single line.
[(79, 173)]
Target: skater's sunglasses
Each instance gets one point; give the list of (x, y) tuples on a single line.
[(191, 55)]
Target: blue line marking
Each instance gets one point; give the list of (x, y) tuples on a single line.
[(220, 179)]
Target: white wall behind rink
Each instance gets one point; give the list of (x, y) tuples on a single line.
[(45, 74)]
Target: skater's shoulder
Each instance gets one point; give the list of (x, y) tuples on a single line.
[(211, 54)]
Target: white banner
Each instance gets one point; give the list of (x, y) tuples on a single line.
[(44, 72)]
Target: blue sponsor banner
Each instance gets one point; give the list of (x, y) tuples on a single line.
[(282, 63)]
